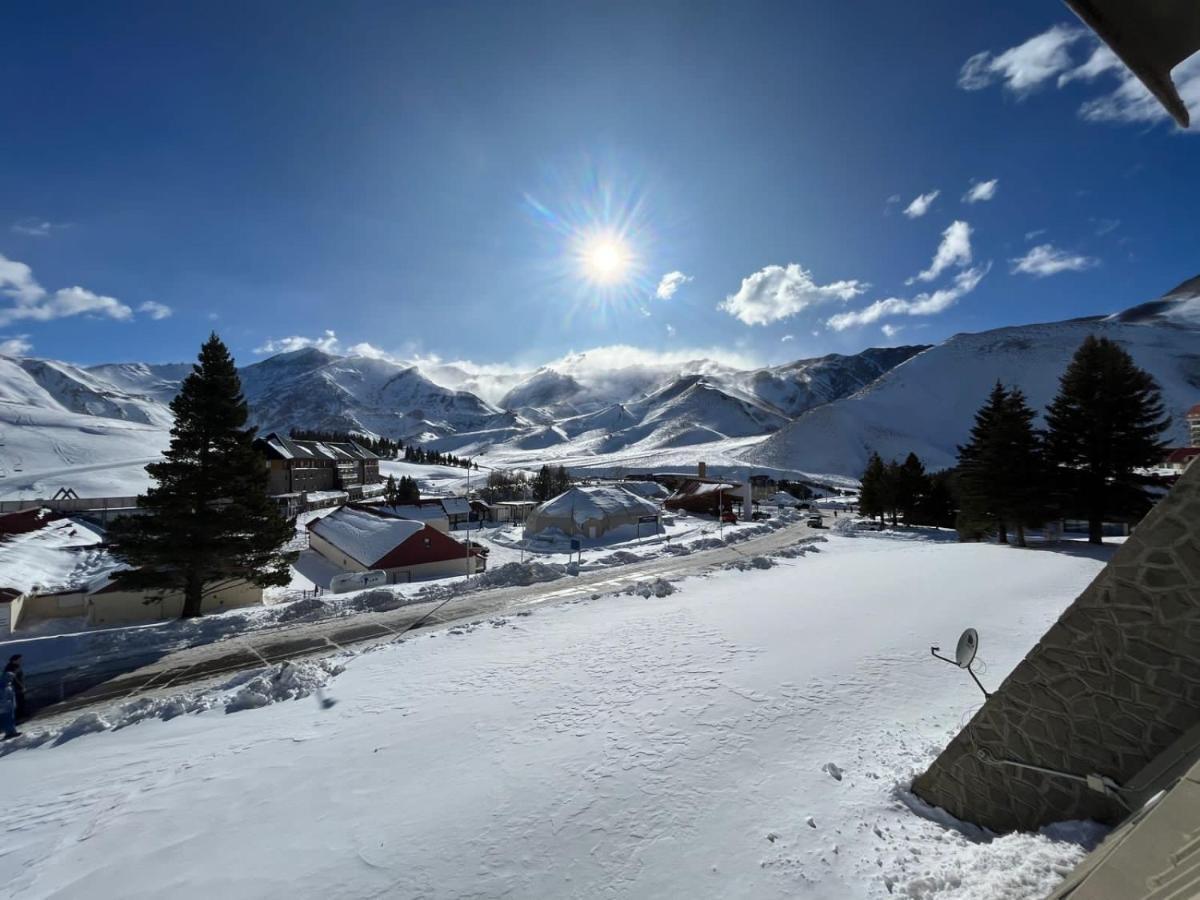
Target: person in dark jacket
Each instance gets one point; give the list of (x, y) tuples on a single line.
[(8, 707), (13, 667)]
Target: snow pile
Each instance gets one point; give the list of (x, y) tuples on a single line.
[(754, 562), (285, 681), (659, 587), (247, 690), (520, 574)]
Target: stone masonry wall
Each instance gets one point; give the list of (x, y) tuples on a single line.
[(1113, 683)]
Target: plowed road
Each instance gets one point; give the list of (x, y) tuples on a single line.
[(259, 648)]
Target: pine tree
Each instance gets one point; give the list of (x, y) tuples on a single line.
[(1021, 485), (871, 494), (980, 462), (543, 485), (407, 491), (391, 493), (1106, 421), (911, 486), (208, 521)]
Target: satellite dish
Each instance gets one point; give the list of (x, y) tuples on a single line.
[(964, 655), (968, 646)]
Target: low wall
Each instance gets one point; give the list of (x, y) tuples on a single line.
[(1111, 688), (132, 607)]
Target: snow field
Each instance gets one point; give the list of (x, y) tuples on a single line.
[(687, 744)]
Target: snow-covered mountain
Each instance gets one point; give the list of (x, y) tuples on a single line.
[(93, 429), (927, 403), (358, 393)]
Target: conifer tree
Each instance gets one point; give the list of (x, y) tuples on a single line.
[(1021, 485), (871, 494), (407, 491), (207, 521), (911, 486), (980, 461), (391, 492), (1106, 421)]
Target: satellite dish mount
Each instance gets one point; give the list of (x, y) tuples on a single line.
[(964, 655)]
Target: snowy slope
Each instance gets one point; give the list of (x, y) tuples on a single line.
[(736, 739), (926, 405), (157, 381)]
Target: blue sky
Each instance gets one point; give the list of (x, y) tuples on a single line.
[(419, 177)]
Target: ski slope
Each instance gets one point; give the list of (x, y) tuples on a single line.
[(749, 735)]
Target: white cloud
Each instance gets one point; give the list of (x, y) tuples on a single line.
[(786, 338), (17, 281), (954, 250), (34, 303), (670, 283), (777, 292), (368, 350), (980, 191), (1049, 55), (14, 345), (1102, 60), (890, 330), (1037, 232), (156, 310), (920, 305), (1046, 259), (920, 204), (1024, 67), (670, 330), (1106, 226), (1130, 102), (327, 343), (34, 227)]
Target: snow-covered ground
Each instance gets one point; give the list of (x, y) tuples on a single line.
[(751, 734)]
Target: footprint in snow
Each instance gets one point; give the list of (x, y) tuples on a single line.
[(834, 770), (810, 822)]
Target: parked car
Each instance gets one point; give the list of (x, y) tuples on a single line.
[(816, 521), (729, 518)]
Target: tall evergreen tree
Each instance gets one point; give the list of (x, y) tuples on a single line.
[(980, 462), (871, 494), (1021, 486), (407, 491), (391, 492), (1106, 421), (911, 486), (207, 521)]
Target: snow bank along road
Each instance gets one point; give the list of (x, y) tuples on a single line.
[(297, 641), (751, 735)]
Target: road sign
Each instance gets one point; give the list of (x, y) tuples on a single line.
[(647, 519), (576, 544)]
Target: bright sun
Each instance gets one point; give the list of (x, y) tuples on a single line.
[(605, 258)]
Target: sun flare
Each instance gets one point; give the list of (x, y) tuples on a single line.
[(605, 258)]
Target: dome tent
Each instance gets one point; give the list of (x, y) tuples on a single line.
[(589, 512)]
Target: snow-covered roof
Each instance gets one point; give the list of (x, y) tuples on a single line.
[(62, 555), (456, 506), (582, 504), (647, 489), (422, 513), (295, 448), (783, 498), (364, 536)]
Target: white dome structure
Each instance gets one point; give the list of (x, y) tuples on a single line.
[(589, 512)]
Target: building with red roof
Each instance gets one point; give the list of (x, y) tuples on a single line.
[(356, 539)]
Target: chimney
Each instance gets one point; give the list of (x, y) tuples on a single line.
[(702, 469)]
